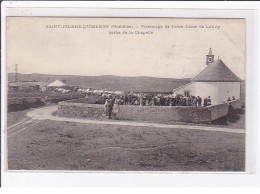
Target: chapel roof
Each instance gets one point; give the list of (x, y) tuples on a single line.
[(216, 71)]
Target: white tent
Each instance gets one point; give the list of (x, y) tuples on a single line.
[(56, 83)]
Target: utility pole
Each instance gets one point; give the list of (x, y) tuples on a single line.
[(16, 72)]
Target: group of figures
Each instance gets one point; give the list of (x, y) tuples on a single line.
[(156, 100), (111, 103)]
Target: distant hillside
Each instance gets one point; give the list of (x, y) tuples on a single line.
[(109, 82)]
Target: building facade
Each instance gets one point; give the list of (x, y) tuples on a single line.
[(216, 81)]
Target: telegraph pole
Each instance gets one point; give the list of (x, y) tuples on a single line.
[(16, 72)]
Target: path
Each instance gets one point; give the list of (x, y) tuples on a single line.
[(46, 113), (20, 126)]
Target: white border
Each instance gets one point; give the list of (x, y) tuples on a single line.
[(145, 9)]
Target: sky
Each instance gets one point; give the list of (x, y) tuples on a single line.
[(168, 52)]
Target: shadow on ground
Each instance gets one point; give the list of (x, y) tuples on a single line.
[(233, 117)]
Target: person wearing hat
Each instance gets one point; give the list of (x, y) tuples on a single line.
[(108, 107), (209, 101), (199, 100)]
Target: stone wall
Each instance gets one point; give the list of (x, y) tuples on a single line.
[(218, 111), (236, 104), (80, 110), (157, 114), (166, 114)]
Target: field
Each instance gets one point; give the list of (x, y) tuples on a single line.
[(20, 100), (109, 82), (56, 145), (58, 96)]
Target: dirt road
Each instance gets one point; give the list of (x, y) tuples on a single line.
[(46, 113)]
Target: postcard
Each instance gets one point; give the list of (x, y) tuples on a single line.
[(126, 94)]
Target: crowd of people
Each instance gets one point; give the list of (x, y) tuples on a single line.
[(156, 100), (111, 103)]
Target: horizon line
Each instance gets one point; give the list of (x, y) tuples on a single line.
[(98, 75)]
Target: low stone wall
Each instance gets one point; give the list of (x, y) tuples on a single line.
[(236, 104), (80, 110), (218, 111), (165, 114), (159, 114)]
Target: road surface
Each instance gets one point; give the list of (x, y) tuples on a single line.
[(46, 113)]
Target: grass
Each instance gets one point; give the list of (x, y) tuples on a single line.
[(53, 145), (15, 117)]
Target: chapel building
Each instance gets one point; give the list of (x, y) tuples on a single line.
[(215, 80)]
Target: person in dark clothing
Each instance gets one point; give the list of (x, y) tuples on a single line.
[(233, 98), (110, 108), (209, 101), (167, 102), (194, 101), (184, 102), (162, 101), (113, 101), (199, 100), (125, 100), (144, 100), (205, 101), (174, 101), (130, 99), (179, 103), (189, 101)]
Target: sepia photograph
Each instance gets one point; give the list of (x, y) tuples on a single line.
[(126, 94)]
